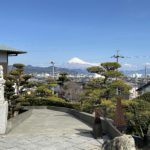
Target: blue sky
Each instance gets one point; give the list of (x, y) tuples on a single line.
[(92, 30)]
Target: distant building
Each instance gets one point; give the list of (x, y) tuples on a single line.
[(4, 53), (98, 76), (144, 89), (133, 93), (136, 75)]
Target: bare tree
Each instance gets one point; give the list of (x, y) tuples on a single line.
[(72, 91)]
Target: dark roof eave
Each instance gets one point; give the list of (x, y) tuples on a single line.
[(16, 53), (10, 51)]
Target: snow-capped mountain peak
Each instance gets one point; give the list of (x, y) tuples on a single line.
[(79, 61)]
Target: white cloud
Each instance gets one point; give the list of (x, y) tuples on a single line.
[(147, 64), (78, 61), (127, 65)]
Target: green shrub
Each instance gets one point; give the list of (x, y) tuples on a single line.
[(137, 115), (62, 103), (87, 106), (54, 98), (51, 101), (145, 97), (37, 101)]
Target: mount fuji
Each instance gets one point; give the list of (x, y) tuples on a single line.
[(77, 62)]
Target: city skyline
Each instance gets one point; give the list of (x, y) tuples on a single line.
[(92, 31)]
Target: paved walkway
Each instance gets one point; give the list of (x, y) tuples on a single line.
[(50, 130)]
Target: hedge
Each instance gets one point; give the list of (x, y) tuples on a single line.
[(51, 101), (145, 97)]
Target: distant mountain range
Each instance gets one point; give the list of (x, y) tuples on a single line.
[(34, 69), (141, 71)]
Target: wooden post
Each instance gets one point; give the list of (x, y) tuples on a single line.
[(119, 120), (97, 126)]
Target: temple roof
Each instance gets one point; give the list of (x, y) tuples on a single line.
[(11, 50)]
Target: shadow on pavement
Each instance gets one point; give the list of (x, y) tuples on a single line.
[(85, 133)]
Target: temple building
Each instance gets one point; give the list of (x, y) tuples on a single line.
[(5, 52)]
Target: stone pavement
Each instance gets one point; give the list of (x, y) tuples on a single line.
[(50, 130)]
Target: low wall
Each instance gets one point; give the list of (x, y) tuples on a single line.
[(110, 129), (15, 121), (107, 125)]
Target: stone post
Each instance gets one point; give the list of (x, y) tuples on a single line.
[(3, 105)]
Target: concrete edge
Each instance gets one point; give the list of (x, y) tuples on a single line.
[(15, 121)]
